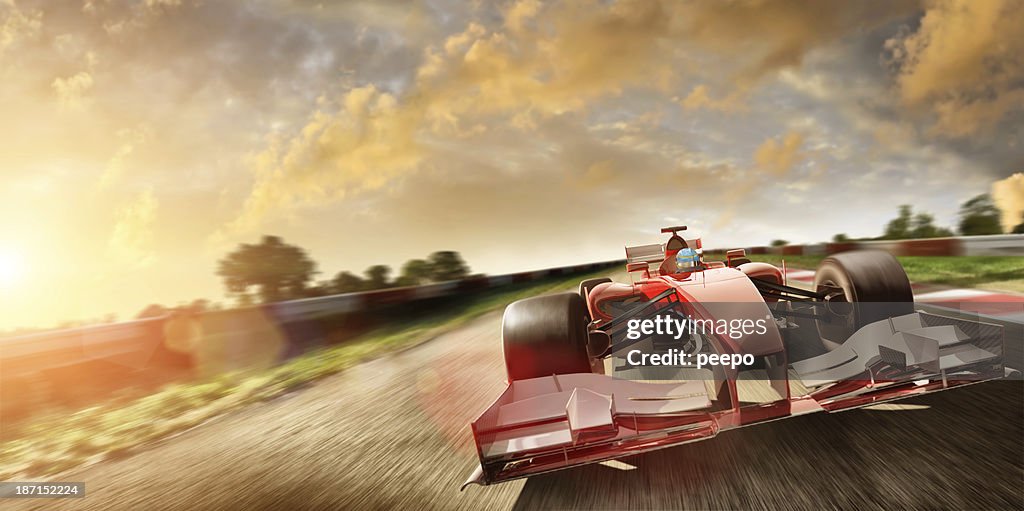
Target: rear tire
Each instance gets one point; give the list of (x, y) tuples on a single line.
[(873, 281), (545, 335)]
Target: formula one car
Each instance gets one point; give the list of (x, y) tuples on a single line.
[(691, 347)]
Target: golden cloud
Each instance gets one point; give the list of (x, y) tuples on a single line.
[(963, 63), (1008, 195), (71, 91), (17, 24), (124, 19), (131, 242), (544, 60), (519, 13), (779, 157), (520, 72), (363, 144), (768, 35), (700, 99), (130, 139)]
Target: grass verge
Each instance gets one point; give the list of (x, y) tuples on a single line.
[(1005, 273), (57, 443)]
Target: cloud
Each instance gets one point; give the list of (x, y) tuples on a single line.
[(71, 91), (963, 63), (17, 24), (363, 143), (520, 12), (779, 156), (769, 35), (130, 139), (699, 98), (131, 242), (121, 18), (472, 78), (577, 52), (541, 61), (1008, 195)]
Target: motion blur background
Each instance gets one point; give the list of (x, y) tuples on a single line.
[(206, 207)]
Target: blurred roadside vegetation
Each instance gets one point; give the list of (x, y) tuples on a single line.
[(52, 443)]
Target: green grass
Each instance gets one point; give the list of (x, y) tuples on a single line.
[(1004, 273), (808, 262), (62, 441)]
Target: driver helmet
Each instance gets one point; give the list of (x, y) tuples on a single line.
[(687, 260)]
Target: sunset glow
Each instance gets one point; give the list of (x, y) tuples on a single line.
[(145, 140), (12, 270)]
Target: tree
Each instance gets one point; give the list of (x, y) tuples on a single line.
[(779, 243), (908, 225), (979, 216), (377, 276), (415, 272), (322, 288), (348, 282), (200, 305), (1019, 229), (152, 311), (840, 238), (278, 270), (447, 265), (899, 227), (923, 227)]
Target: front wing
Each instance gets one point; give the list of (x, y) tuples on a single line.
[(561, 421)]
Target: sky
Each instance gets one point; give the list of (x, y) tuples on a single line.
[(142, 141)]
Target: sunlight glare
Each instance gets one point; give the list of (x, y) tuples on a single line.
[(12, 269)]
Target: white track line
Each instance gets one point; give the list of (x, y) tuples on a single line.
[(952, 294)]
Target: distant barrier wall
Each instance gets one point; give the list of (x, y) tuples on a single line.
[(994, 245)]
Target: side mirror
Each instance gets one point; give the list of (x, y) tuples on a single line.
[(598, 342)]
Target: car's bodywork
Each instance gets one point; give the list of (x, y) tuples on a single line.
[(559, 421)]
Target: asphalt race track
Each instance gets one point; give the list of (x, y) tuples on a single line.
[(393, 433)]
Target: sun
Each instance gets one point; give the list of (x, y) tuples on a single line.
[(12, 269)]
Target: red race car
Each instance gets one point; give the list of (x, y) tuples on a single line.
[(691, 347)]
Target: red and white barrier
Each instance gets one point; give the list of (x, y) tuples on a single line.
[(992, 245)]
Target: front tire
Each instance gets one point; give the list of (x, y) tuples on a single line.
[(545, 335), (869, 286)]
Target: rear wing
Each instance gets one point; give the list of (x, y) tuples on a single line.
[(654, 253)]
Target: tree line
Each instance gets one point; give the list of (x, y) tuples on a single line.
[(273, 270), (978, 216)]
